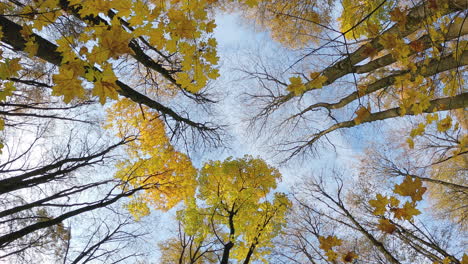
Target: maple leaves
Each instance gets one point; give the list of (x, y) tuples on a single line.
[(9, 68), (113, 43), (410, 187), (381, 202), (104, 85), (328, 243), (362, 113), (289, 22), (296, 86), (317, 80), (234, 207), (180, 27), (68, 84), (406, 212), (152, 161)]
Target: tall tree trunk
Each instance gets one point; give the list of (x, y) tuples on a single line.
[(230, 244)]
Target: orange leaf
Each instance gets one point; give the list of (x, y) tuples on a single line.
[(327, 243), (331, 255), (369, 51), (417, 45), (385, 226), (349, 257), (398, 16)]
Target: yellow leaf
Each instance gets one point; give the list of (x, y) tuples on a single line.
[(379, 203), (410, 187), (331, 255), (296, 86), (317, 80), (114, 42), (8, 89), (418, 131), (410, 143), (431, 118), (394, 202), (329, 242), (444, 124), (106, 86), (349, 257), (67, 84), (137, 209), (10, 68)]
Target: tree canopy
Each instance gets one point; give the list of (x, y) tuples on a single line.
[(109, 107)]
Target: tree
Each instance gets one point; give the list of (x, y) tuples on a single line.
[(150, 64), (383, 64), (78, 65), (344, 223), (46, 182), (234, 217)]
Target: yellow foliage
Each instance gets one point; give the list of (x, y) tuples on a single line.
[(31, 47), (407, 211), (113, 43), (447, 202), (331, 255), (411, 188), (444, 124), (9, 68), (349, 257), (7, 90), (385, 226), (293, 23), (317, 80), (239, 188), (362, 113), (105, 86), (354, 12), (137, 209), (398, 16), (379, 204)]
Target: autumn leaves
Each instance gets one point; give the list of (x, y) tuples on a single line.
[(385, 206), (327, 244)]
